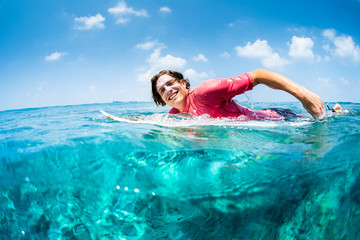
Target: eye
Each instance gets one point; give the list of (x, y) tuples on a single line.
[(171, 82)]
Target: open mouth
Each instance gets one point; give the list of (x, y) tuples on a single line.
[(171, 97)]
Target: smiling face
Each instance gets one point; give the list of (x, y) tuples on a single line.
[(172, 92)]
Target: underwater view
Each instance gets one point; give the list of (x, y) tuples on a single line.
[(69, 172)]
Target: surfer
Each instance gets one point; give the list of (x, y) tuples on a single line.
[(215, 97)]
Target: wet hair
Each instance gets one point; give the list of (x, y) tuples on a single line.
[(178, 77)]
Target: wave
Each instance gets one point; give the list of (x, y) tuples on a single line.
[(186, 120)]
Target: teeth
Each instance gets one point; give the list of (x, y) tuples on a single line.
[(172, 96)]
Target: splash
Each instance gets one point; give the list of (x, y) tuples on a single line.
[(187, 120)]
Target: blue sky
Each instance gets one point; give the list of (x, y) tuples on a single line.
[(75, 52)]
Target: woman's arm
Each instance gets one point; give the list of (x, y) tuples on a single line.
[(311, 102)]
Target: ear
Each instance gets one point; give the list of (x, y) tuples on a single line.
[(183, 83)]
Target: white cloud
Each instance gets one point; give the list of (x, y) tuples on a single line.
[(261, 50), (149, 45), (168, 61), (55, 56), (123, 9), (344, 81), (301, 47), (297, 29), (319, 59), (344, 46), (165, 9), (325, 82), (158, 63), (329, 33), (87, 23), (192, 74), (121, 20), (122, 12), (258, 49), (274, 61), (326, 47), (146, 46), (239, 22), (224, 55), (200, 58), (146, 76)]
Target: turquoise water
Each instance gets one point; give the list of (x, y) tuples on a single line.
[(70, 173)]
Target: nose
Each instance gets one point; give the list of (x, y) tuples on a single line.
[(167, 88)]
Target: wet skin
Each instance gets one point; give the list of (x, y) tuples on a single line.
[(172, 92)]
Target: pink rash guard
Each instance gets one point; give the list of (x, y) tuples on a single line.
[(214, 97)]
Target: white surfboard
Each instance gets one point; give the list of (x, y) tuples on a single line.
[(139, 120), (112, 117), (165, 120)]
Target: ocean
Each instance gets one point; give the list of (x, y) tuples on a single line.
[(69, 172)]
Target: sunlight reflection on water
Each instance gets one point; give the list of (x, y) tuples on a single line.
[(70, 173)]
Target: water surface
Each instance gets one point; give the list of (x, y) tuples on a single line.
[(70, 173)]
